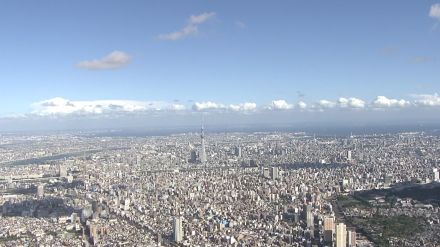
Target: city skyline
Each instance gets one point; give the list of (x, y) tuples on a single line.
[(288, 60), (220, 123)]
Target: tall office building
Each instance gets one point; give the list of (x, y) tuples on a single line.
[(351, 237), (94, 233), (202, 154), (40, 190), (193, 158), (274, 173), (62, 171), (329, 228), (341, 235), (436, 175), (309, 216), (126, 204), (266, 172), (349, 155), (237, 151), (178, 228)]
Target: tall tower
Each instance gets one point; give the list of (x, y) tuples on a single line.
[(202, 154), (40, 191), (309, 216), (178, 230), (329, 228), (341, 235)]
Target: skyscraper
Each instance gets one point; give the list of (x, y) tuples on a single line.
[(274, 173), (62, 171), (349, 155), (329, 228), (193, 158), (341, 235), (202, 154), (351, 237), (40, 191), (238, 151), (309, 216), (178, 229), (436, 176)]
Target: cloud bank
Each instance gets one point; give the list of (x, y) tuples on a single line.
[(59, 106), (384, 102)]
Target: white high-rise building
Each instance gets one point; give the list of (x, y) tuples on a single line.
[(341, 235), (274, 173), (62, 172), (351, 238), (349, 155), (436, 175), (40, 190), (309, 216), (126, 204), (178, 229), (237, 151)]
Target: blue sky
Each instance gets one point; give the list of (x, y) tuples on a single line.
[(233, 52)]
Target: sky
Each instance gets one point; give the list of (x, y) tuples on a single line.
[(259, 62)]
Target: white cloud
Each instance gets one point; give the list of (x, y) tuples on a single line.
[(384, 102), (280, 105), (178, 107), (114, 60), (243, 107), (301, 105), (199, 19), (186, 31), (434, 11), (61, 106), (351, 103), (427, 99), (325, 104), (342, 103), (191, 27), (208, 105)]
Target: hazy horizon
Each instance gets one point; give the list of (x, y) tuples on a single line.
[(136, 65)]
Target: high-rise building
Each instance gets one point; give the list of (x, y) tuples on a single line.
[(62, 172), (349, 155), (329, 228), (266, 172), (274, 173), (237, 151), (351, 237), (127, 204), (193, 158), (86, 213), (94, 233), (74, 218), (341, 235), (40, 190), (436, 175), (309, 216), (202, 154), (178, 228)]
